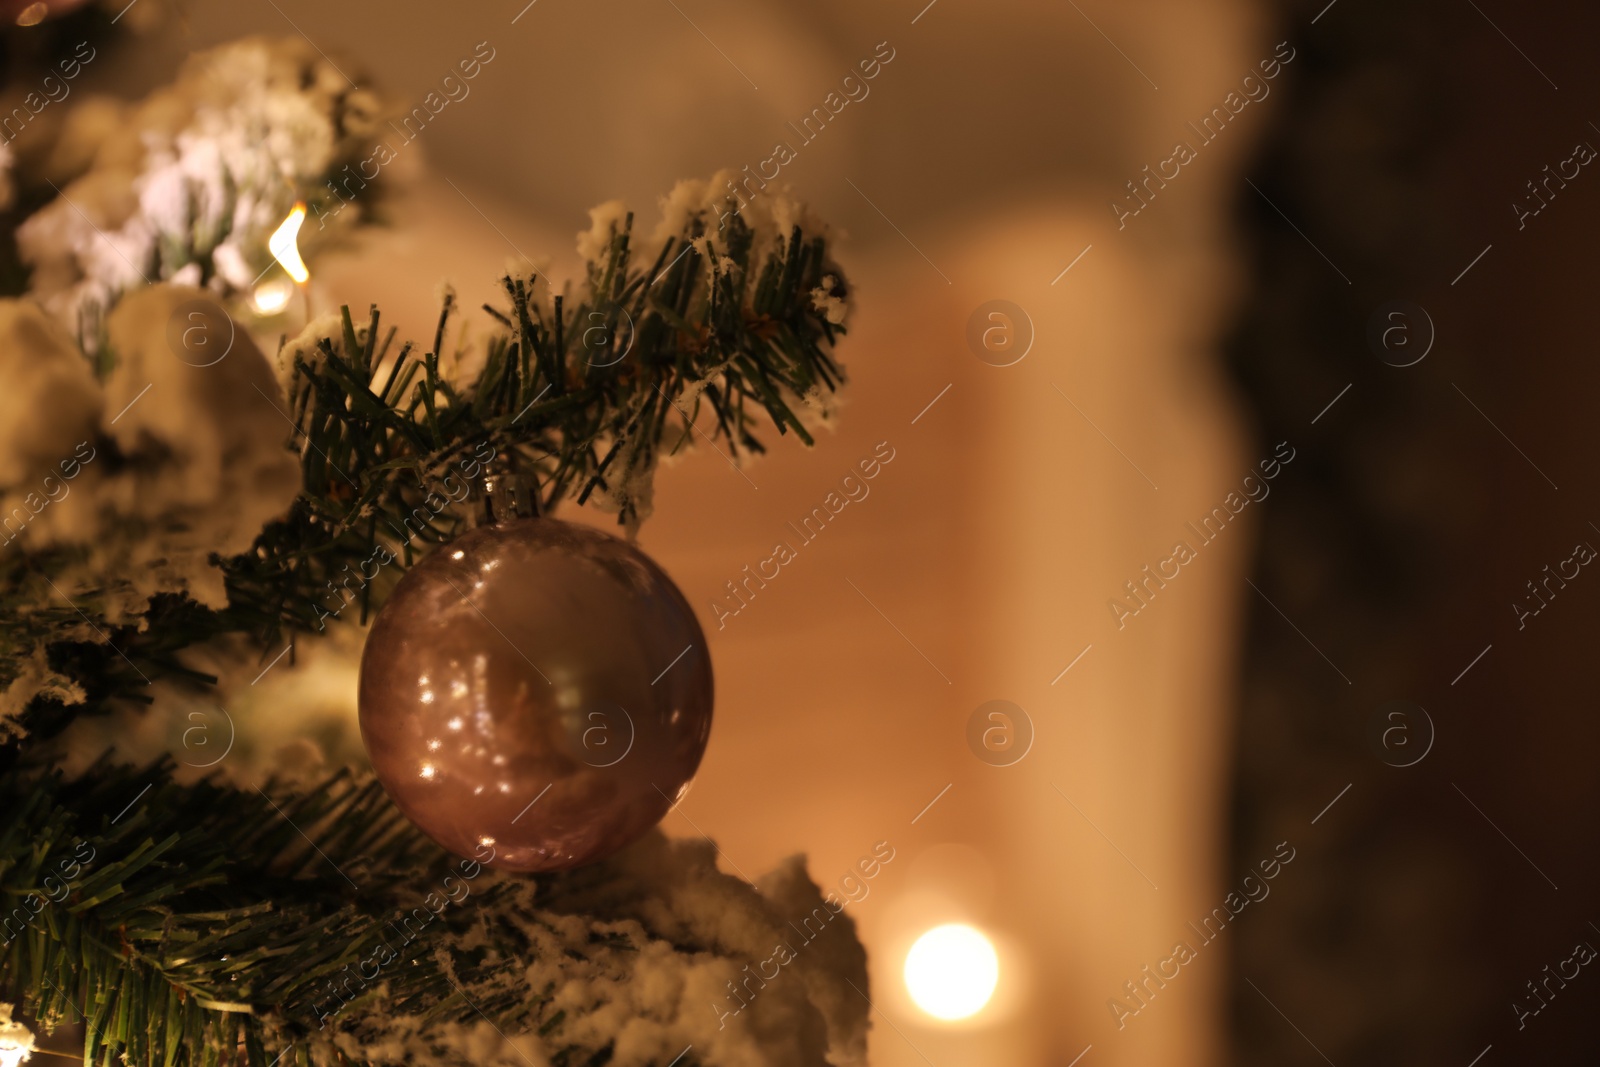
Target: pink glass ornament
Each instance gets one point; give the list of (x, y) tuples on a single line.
[(535, 691)]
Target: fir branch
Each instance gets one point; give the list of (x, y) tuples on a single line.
[(576, 395), (212, 926), (579, 395), (203, 925)]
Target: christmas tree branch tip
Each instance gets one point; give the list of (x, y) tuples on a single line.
[(721, 329)]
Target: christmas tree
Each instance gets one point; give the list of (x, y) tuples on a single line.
[(201, 512)]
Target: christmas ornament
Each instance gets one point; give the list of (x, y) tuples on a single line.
[(536, 694)]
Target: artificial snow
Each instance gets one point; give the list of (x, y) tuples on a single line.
[(140, 479), (605, 222), (202, 170), (639, 953)]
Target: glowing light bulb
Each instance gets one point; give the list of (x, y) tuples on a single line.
[(16, 1040), (272, 296), (951, 971), (282, 244)]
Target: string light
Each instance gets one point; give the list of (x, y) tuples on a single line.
[(282, 245), (272, 296), (16, 1040)]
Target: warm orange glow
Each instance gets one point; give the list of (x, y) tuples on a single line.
[(283, 247), (272, 296), (951, 971)]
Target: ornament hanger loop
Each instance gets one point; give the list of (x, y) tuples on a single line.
[(504, 494)]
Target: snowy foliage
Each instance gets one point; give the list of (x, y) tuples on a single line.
[(639, 954), (149, 488), (190, 182), (137, 480)]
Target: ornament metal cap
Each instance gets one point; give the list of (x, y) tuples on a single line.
[(503, 493)]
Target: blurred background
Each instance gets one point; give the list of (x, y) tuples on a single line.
[(1235, 379)]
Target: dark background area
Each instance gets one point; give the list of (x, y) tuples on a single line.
[(1438, 890)]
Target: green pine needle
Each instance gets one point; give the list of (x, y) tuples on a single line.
[(211, 923)]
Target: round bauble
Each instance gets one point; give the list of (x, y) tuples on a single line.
[(535, 694)]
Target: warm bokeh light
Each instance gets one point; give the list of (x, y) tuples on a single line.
[(16, 1040), (271, 296), (951, 971), (283, 247)]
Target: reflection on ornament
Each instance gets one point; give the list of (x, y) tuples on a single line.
[(272, 296), (951, 971), (282, 244), (16, 1040), (539, 692)]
